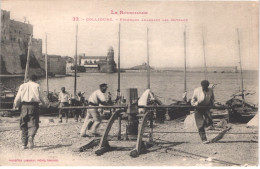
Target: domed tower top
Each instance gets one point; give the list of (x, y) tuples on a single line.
[(110, 54)]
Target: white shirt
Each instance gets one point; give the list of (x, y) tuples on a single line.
[(64, 97), (29, 92), (201, 97), (145, 98), (96, 97)]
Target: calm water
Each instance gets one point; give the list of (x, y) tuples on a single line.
[(167, 85)]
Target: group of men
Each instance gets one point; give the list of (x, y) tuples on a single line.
[(30, 95), (65, 100)]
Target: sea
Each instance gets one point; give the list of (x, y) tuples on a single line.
[(168, 86)]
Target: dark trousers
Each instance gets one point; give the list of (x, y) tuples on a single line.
[(29, 121), (78, 113), (64, 111), (203, 119)]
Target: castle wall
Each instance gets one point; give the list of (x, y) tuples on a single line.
[(56, 64), (14, 47), (5, 18), (107, 68), (10, 53), (19, 31)]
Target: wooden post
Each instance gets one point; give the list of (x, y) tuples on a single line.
[(132, 126), (46, 68), (241, 71), (75, 67), (28, 60), (151, 128), (185, 84), (148, 61), (205, 65), (118, 64), (119, 128)]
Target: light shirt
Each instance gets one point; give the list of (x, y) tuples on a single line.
[(145, 98), (97, 97), (64, 97), (29, 92), (202, 98)]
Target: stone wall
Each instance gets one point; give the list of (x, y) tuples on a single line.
[(15, 37), (56, 64)]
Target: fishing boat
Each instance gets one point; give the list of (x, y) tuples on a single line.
[(240, 110), (174, 113), (7, 96)]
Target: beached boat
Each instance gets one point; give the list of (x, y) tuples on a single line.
[(7, 96), (240, 110)]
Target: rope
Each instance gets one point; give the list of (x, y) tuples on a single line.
[(191, 132)]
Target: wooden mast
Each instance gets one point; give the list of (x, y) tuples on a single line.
[(28, 60), (185, 83), (46, 67), (148, 64), (205, 65), (241, 71), (75, 67), (118, 64)]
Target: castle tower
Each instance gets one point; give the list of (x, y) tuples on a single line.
[(110, 55), (110, 65)]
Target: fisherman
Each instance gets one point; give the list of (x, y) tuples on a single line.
[(203, 96), (64, 99), (96, 98), (146, 98), (29, 96), (80, 101)]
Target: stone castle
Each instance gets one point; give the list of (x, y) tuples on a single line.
[(15, 36)]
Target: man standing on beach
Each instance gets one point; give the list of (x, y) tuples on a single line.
[(64, 98), (96, 98), (203, 96), (29, 96), (79, 101)]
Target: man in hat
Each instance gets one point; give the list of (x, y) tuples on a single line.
[(29, 96), (203, 96), (64, 99), (93, 116)]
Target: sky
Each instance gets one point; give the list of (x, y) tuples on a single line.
[(217, 22)]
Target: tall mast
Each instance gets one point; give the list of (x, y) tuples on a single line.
[(205, 65), (118, 64), (185, 84), (75, 80), (46, 66), (148, 64), (240, 62), (28, 60)]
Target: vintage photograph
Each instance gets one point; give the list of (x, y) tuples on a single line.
[(129, 83)]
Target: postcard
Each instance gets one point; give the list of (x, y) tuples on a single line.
[(129, 83)]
